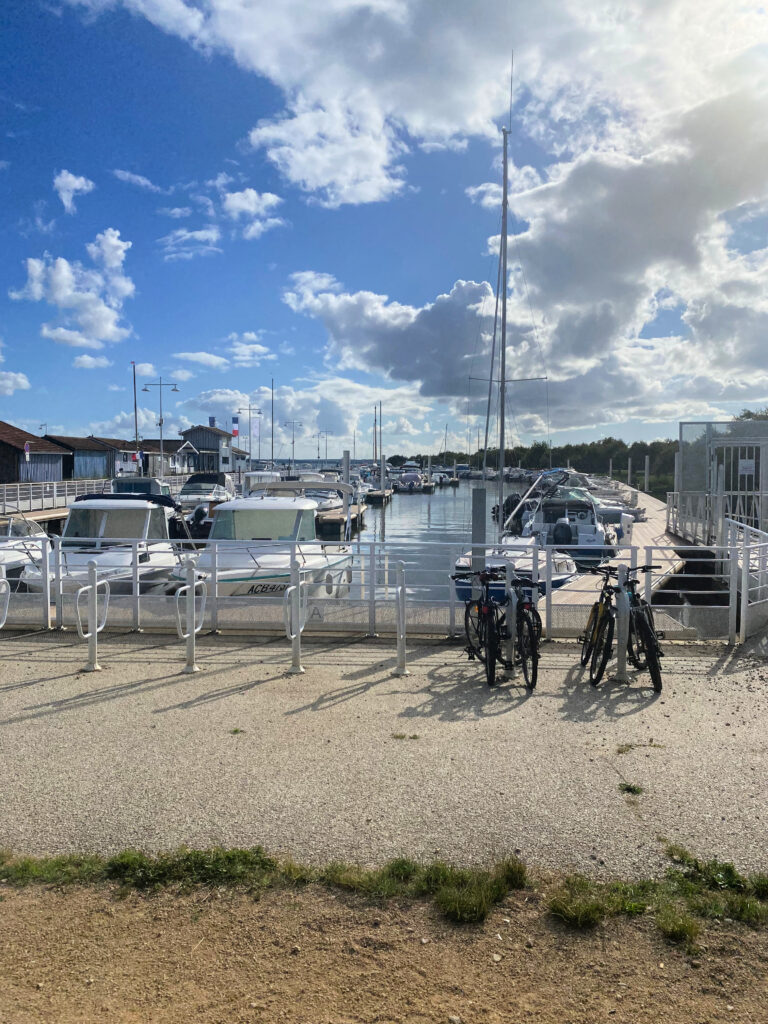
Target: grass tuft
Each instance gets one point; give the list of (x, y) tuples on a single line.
[(190, 868), (578, 903), (630, 787), (678, 926)]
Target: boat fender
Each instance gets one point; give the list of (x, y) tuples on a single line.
[(329, 584)]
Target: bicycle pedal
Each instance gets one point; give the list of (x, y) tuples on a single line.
[(580, 638), (660, 634)]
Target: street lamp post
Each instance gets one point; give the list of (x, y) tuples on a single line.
[(323, 433), (293, 424), (251, 410), (160, 385)]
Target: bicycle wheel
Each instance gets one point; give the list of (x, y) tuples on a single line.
[(527, 648), (473, 629), (491, 643), (589, 634), (537, 624), (651, 645), (636, 651), (602, 648)]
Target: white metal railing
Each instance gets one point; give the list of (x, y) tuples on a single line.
[(49, 495), (372, 587), (698, 516)]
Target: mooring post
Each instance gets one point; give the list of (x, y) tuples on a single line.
[(478, 528), (610, 469), (629, 470), (647, 473)]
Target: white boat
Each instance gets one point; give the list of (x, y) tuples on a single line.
[(515, 556), (572, 524), (19, 544), (102, 528), (266, 532), (203, 489), (411, 482), (256, 481)]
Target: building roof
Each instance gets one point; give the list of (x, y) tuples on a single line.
[(79, 443), (213, 430), (239, 451), (114, 442), (151, 445), (15, 437)]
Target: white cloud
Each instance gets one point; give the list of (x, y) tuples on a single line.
[(182, 375), (10, 382), (249, 203), (146, 370), (247, 350), (86, 362), (129, 178), (68, 185), (89, 300), (257, 228), (204, 359), (177, 212), (183, 244), (115, 387)]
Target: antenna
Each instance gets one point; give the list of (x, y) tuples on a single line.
[(511, 87)]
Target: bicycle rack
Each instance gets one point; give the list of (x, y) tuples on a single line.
[(401, 669), (511, 625), (295, 615), (192, 587), (622, 626), (91, 590)]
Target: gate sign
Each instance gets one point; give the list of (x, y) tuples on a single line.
[(746, 467), (26, 451)]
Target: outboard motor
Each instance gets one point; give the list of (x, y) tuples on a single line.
[(562, 533)]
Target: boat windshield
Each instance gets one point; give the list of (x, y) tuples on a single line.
[(263, 524), (201, 488), (113, 523), (10, 527)]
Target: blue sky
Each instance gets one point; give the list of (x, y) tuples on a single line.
[(227, 193)]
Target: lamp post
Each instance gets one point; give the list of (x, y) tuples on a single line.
[(251, 410), (293, 424), (323, 433), (160, 385)]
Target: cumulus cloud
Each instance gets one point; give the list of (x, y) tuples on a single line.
[(246, 349), (208, 359), (10, 382), (86, 362), (183, 244), (146, 370), (433, 344), (182, 375), (358, 90), (129, 178), (68, 185), (89, 300)]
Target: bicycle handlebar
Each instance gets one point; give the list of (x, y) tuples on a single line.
[(613, 570)]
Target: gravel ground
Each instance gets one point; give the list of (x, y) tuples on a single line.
[(142, 755)]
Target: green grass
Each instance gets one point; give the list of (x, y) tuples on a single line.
[(630, 787), (462, 894), (236, 732), (692, 891)]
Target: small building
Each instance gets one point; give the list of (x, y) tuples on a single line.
[(213, 446), (178, 457), (42, 462), (85, 458), (124, 453)]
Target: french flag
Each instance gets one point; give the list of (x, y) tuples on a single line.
[(235, 426)]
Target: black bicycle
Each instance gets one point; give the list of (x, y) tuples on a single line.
[(643, 648), (485, 625)]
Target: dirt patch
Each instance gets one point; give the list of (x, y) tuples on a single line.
[(317, 957)]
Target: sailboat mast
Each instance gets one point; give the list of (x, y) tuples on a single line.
[(503, 342)]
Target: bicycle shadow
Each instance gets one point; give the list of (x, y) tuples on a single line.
[(457, 693), (610, 699)]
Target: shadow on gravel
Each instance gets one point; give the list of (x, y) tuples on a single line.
[(583, 702)]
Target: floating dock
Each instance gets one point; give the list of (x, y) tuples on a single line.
[(379, 497), (331, 525)]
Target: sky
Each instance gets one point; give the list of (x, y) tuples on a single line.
[(231, 192)]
